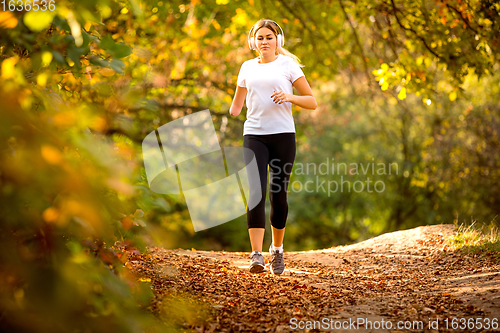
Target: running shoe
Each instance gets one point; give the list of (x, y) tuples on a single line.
[(277, 261), (258, 264)]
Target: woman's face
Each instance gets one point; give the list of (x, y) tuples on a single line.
[(266, 41)]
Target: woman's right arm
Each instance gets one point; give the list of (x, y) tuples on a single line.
[(238, 100)]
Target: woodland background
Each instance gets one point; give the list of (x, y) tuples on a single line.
[(412, 83)]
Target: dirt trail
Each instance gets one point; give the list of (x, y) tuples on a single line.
[(405, 281)]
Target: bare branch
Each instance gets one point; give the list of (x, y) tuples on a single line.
[(356, 37), (463, 18), (395, 10)]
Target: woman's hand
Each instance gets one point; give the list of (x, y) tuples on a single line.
[(280, 97), (305, 99)]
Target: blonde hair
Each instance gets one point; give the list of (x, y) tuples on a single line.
[(271, 25)]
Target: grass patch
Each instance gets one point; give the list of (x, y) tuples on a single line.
[(476, 239)]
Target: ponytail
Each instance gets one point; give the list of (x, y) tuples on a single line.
[(287, 53)]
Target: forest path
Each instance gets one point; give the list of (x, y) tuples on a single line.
[(397, 282)]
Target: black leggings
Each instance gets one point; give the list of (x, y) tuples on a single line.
[(278, 152)]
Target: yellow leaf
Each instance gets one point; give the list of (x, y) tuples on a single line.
[(51, 154), (428, 62), (66, 118), (38, 20), (385, 86), (402, 94), (46, 58), (41, 79), (105, 10), (7, 20), (50, 214), (216, 24), (107, 72), (80, 258), (145, 279), (8, 67), (452, 96), (98, 124), (240, 18)]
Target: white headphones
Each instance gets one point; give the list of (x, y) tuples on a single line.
[(280, 39)]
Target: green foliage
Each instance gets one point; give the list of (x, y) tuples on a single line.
[(442, 151), (66, 193)]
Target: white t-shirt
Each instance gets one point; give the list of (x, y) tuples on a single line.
[(263, 115)]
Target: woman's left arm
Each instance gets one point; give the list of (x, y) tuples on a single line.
[(305, 99)]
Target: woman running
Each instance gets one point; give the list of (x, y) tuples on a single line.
[(267, 83)]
